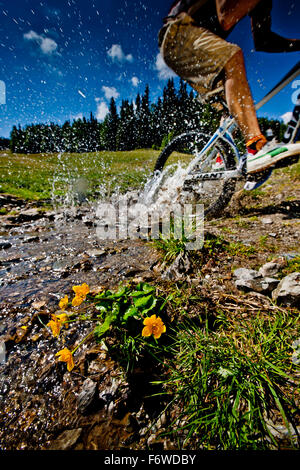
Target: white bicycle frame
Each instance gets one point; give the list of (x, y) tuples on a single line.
[(224, 132)]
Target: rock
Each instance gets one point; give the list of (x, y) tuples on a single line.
[(87, 397), (291, 255), (27, 215), (246, 274), (269, 269), (4, 245), (96, 253), (266, 220), (66, 440), (179, 268), (296, 353), (288, 290), (249, 279), (2, 352), (31, 239), (268, 284)]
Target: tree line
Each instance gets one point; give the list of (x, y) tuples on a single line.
[(138, 124)]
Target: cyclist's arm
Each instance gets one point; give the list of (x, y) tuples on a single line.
[(264, 38)]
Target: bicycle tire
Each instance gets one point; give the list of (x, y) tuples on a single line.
[(221, 190)]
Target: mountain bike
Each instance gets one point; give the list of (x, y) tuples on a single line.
[(217, 164)]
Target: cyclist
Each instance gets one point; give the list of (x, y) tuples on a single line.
[(193, 43)]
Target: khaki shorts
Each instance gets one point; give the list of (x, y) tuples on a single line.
[(194, 53)]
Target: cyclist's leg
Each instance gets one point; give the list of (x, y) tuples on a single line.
[(195, 54), (239, 98)]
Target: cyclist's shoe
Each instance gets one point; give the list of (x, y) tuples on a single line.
[(270, 154)]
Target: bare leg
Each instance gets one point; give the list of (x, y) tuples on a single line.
[(239, 98)]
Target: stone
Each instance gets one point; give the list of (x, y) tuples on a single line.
[(31, 239), (269, 269), (94, 253), (2, 352), (288, 290), (246, 274), (250, 279), (87, 397), (66, 440), (27, 215), (4, 245), (179, 268), (268, 284), (266, 220)]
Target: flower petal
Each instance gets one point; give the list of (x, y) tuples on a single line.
[(147, 331)]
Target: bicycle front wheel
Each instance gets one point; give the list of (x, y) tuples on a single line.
[(213, 192)]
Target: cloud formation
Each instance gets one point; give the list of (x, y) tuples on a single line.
[(46, 45), (110, 92), (117, 55), (102, 110), (164, 72)]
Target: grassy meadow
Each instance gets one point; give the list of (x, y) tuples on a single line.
[(44, 176)]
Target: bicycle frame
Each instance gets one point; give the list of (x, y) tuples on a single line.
[(224, 132)]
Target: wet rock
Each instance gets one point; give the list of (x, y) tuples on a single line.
[(33, 239), (288, 291), (27, 215), (179, 268), (96, 253), (86, 399), (66, 440), (4, 245), (2, 352)]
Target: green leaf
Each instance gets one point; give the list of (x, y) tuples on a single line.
[(130, 312), (146, 303), (109, 319)]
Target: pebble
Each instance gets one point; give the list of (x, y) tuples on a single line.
[(266, 220)]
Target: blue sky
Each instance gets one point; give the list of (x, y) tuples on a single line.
[(62, 59)]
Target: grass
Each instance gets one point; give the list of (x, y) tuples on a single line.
[(227, 385), (44, 176)]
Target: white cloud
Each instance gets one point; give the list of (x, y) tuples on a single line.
[(116, 53), (135, 81), (286, 117), (164, 72), (47, 45), (102, 110), (110, 92)]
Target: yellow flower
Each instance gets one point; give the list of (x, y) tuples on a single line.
[(55, 325), (153, 326), (63, 302), (63, 318), (77, 300), (82, 290), (80, 294), (57, 322), (65, 355)]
